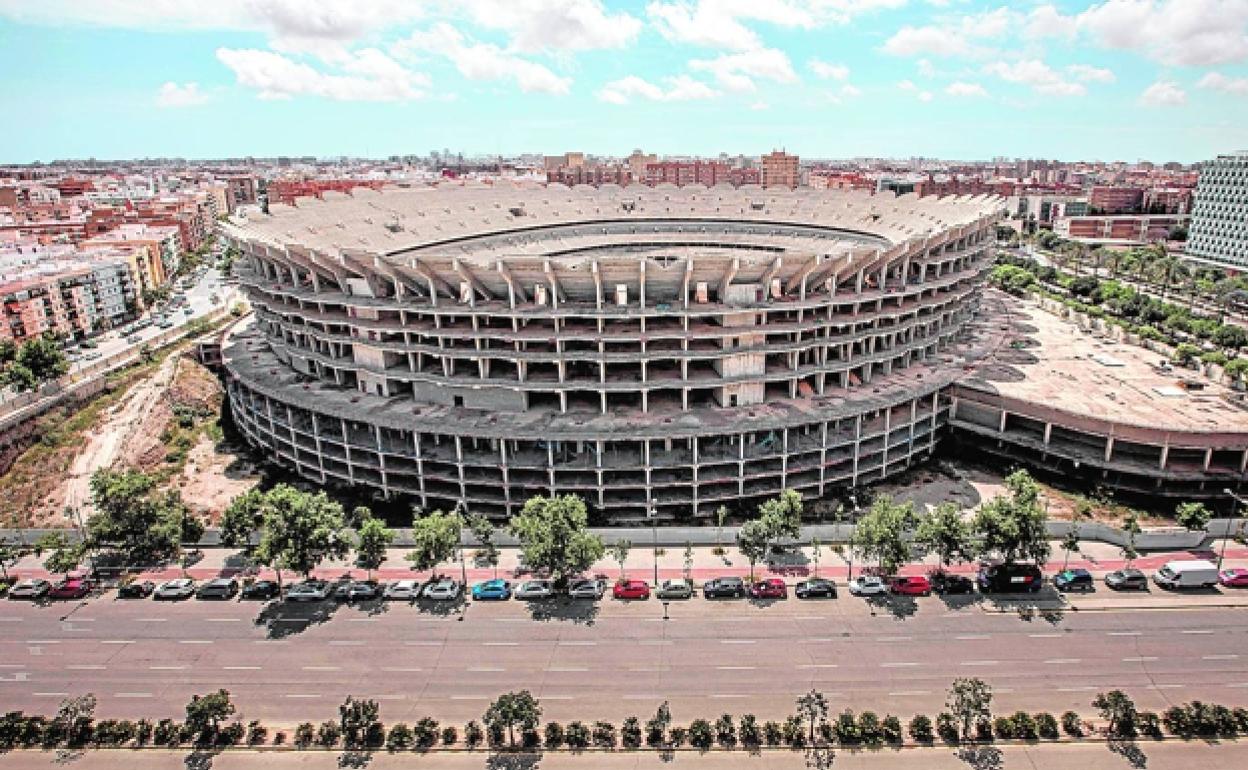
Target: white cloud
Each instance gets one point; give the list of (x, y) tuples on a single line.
[(926, 69), (934, 41), (828, 71), (953, 37), (1192, 33), (1048, 21), (1091, 74), (737, 71), (723, 23), (554, 25), (1163, 93), (1216, 81), (679, 89), (909, 87), (758, 106), (172, 94), (960, 88), (1035, 73), (484, 61), (374, 76), (849, 90), (925, 96)]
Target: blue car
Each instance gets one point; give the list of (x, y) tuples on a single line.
[(491, 589)]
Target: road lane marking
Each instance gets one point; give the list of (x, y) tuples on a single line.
[(1165, 686), (970, 637), (638, 697), (1122, 633), (980, 662), (12, 665), (165, 668), (322, 668), (1227, 656), (726, 695), (565, 670), (194, 641), (1063, 660), (897, 665), (54, 641), (49, 694), (1045, 636), (117, 641), (241, 668), (894, 639), (650, 668), (738, 641), (501, 644), (132, 695), (1076, 689), (151, 620), (1141, 659), (656, 642), (1237, 684), (84, 667), (423, 644), (401, 669), (361, 620), (484, 669), (735, 668), (818, 665), (557, 697), (577, 644), (11, 620), (1197, 631)]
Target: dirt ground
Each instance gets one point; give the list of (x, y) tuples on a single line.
[(214, 475)]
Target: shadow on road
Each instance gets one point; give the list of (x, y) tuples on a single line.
[(982, 757), (441, 609), (1130, 751), (959, 601), (900, 607), (581, 612), (509, 761), (283, 618), (355, 759)]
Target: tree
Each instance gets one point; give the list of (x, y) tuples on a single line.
[(133, 519), (1230, 337), (435, 537), (299, 530), (944, 532), (816, 549), (970, 702), (688, 560), (783, 514), (372, 540), (656, 727), (74, 716), (1117, 709), (1070, 543), (813, 709), (513, 710), (241, 518), (359, 721), (880, 534), (1012, 525), (483, 531), (1192, 516), (619, 553), (192, 529), (10, 552), (35, 362), (721, 513), (754, 540), (1131, 527), (63, 556), (205, 713), (552, 534)]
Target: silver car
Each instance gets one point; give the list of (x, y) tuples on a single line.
[(675, 589), (174, 590), (32, 589), (444, 590), (535, 589), (402, 590), (308, 591), (587, 589)]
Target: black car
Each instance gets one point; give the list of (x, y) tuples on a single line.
[(1074, 580), (138, 589), (718, 588), (260, 589), (218, 588), (1127, 580), (945, 583), (815, 588), (1010, 578)]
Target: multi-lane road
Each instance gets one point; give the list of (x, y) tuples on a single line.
[(286, 663)]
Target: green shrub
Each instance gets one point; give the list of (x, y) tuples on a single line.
[(425, 733), (869, 729), (1072, 724), (143, 730), (450, 735), (232, 734), (256, 733), (400, 737), (1177, 721), (794, 732), (473, 735), (848, 732), (553, 735), (890, 729), (1046, 725), (1213, 357), (328, 734), (279, 738), (773, 733), (947, 727), (576, 735), (1148, 724), (604, 735), (168, 733), (726, 731), (1003, 727), (921, 729), (751, 735), (630, 733), (677, 737), (701, 736)]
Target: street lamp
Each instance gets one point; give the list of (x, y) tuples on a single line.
[(1226, 535), (652, 515)]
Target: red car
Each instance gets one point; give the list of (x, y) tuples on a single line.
[(771, 588), (631, 589), (71, 588), (1234, 578), (912, 585)]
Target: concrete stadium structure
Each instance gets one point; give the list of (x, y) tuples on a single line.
[(655, 350)]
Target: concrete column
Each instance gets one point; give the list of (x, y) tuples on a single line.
[(1048, 430), (1004, 415), (1165, 455), (502, 465), (1109, 448), (1208, 458)]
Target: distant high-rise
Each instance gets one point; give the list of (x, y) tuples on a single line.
[(1219, 231), (780, 170)]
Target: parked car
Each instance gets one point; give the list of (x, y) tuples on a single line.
[(261, 589), (631, 589), (492, 590), (444, 590), (1127, 580), (587, 589), (769, 588), (35, 588), (308, 591), (1194, 573), (910, 585), (136, 589), (174, 590), (1074, 580), (868, 585), (718, 588), (815, 588), (218, 588), (71, 588), (402, 590), (677, 588), (531, 590), (1010, 578), (1236, 577), (357, 591), (947, 583)]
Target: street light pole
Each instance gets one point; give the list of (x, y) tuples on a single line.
[(654, 543), (1227, 534)]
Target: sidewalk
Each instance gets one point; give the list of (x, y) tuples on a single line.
[(1098, 558)]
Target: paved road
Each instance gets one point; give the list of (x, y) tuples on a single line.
[(288, 663), (1085, 756)]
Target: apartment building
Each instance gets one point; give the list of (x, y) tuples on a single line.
[(781, 170), (1219, 231)]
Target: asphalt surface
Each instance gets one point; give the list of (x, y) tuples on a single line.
[(1085, 756), (287, 663)]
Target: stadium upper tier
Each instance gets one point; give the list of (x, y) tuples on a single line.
[(547, 338)]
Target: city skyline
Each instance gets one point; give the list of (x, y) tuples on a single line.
[(1125, 80)]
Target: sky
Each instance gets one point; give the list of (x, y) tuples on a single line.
[(1123, 80)]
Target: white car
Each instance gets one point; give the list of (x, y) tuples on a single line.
[(309, 591), (535, 589), (402, 590), (444, 590), (174, 590), (868, 585), (587, 589)]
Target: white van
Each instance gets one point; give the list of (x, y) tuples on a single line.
[(1195, 573)]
